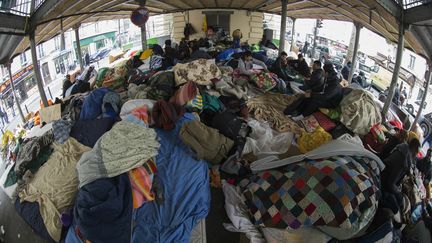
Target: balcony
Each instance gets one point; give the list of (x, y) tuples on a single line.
[(407, 4), (19, 7)]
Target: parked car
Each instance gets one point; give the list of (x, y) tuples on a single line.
[(413, 107), (426, 124), (99, 55)]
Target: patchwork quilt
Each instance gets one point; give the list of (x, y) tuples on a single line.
[(330, 192)]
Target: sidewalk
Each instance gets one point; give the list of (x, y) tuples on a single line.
[(33, 103)]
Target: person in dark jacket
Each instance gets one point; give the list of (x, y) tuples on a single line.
[(346, 70), (280, 67), (67, 83), (197, 53), (169, 55), (301, 66), (314, 97), (360, 80), (87, 59), (398, 165)]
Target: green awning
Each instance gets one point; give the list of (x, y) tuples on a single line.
[(87, 41)]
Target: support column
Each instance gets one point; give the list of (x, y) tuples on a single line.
[(144, 37), (293, 40), (62, 36), (119, 35), (14, 93), (395, 77), (314, 44), (427, 84), (357, 27), (36, 69), (283, 26), (79, 54)]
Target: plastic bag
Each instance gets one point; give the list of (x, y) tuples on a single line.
[(310, 141), (264, 140)]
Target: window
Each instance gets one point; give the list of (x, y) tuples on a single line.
[(57, 43), (40, 51), (23, 59), (219, 19), (412, 62), (420, 94)]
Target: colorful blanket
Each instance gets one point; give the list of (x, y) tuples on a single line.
[(201, 72), (332, 192)]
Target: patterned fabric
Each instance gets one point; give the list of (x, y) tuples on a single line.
[(324, 121), (196, 103), (201, 72), (310, 123), (30, 150), (332, 192), (269, 107), (115, 78), (141, 180), (139, 116), (156, 62), (264, 81), (61, 130), (184, 94)]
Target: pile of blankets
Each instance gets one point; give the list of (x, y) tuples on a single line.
[(129, 161)]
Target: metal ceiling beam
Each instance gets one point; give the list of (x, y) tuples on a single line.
[(418, 14), (12, 23), (46, 8), (290, 5), (391, 6)]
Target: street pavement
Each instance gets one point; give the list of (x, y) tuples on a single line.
[(33, 103)]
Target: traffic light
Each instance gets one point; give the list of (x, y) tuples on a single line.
[(319, 23)]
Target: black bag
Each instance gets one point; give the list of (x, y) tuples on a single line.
[(231, 126)]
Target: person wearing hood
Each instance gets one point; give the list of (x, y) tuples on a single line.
[(280, 67)]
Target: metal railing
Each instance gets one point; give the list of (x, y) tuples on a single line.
[(19, 7), (414, 3)]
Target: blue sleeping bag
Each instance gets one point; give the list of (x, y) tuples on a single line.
[(225, 55), (186, 192), (92, 105)]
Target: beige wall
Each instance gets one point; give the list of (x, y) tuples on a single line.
[(251, 24)]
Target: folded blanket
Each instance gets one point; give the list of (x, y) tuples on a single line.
[(125, 147)]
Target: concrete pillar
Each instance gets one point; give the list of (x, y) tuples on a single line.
[(79, 54), (144, 37), (314, 43), (62, 36), (119, 31), (395, 77), (357, 27), (293, 40), (36, 69), (14, 93), (427, 84), (283, 26)]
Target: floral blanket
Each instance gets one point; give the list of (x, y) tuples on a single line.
[(201, 72)]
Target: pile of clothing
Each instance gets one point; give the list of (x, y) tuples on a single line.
[(129, 160)]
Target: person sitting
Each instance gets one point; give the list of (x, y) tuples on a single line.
[(183, 50), (197, 53), (425, 168), (246, 62), (170, 54), (237, 35), (360, 80), (346, 70), (313, 99), (397, 166), (311, 85), (67, 83), (280, 67), (394, 140), (301, 66)]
